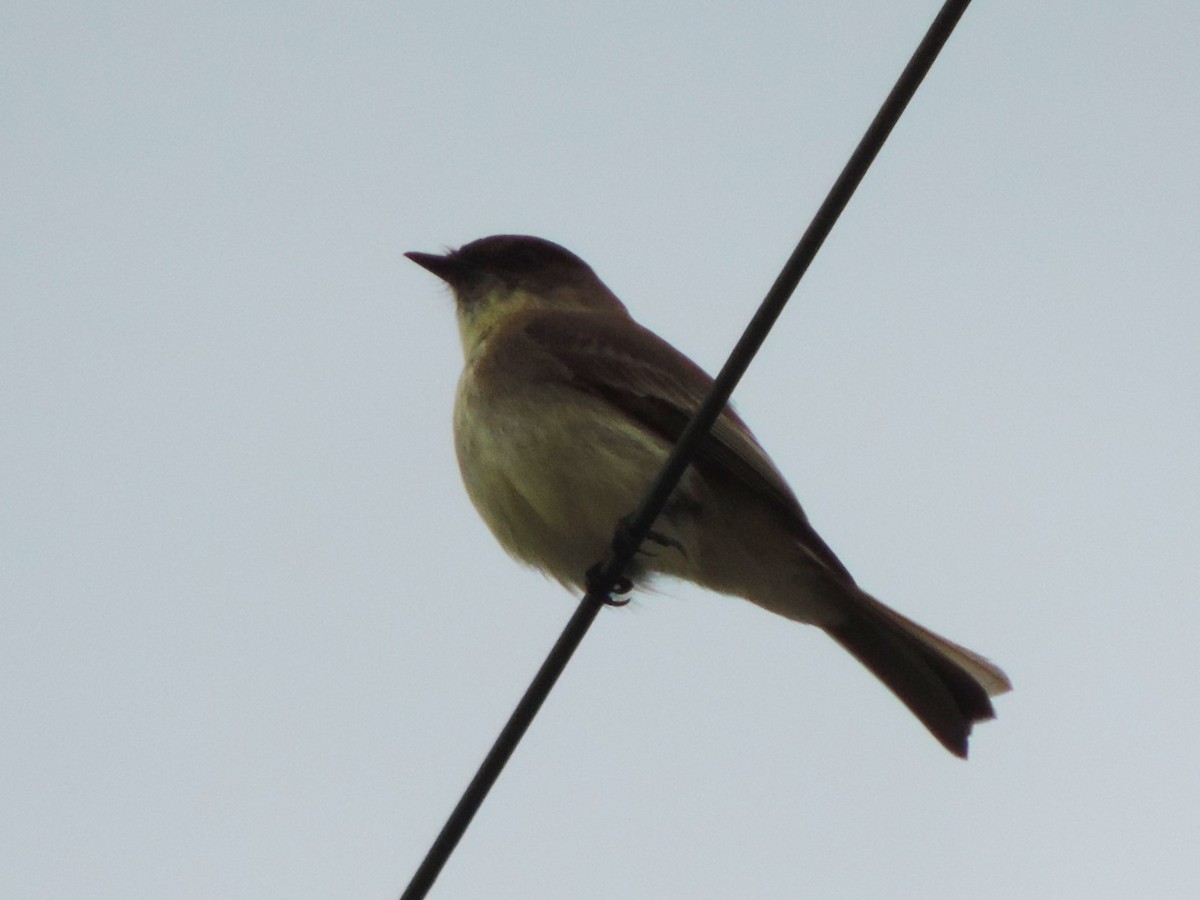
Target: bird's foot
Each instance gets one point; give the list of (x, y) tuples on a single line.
[(597, 588)]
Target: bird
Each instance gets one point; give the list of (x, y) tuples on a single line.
[(564, 413)]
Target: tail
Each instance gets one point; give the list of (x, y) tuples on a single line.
[(946, 686)]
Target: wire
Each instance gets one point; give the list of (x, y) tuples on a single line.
[(608, 576)]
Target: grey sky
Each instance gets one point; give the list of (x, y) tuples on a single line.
[(243, 653)]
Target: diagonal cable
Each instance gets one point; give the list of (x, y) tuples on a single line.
[(635, 530)]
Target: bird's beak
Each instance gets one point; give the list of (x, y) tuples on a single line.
[(447, 268)]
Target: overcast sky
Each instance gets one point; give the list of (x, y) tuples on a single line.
[(254, 640)]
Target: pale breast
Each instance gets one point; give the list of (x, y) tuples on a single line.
[(551, 469)]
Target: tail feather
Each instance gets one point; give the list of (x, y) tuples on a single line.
[(946, 686), (987, 673)]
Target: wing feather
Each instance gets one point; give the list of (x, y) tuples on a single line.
[(610, 356)]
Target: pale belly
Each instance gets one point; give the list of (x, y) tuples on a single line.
[(553, 471)]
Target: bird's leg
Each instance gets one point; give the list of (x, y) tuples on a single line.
[(622, 544), (622, 539)]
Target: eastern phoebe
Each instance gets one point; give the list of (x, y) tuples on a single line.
[(566, 410)]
